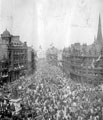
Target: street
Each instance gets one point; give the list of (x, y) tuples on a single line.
[(54, 97)]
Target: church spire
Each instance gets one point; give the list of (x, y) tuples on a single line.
[(99, 34)]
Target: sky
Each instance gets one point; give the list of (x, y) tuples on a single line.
[(56, 22)]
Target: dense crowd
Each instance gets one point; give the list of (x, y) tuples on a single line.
[(10, 110), (74, 103), (49, 95)]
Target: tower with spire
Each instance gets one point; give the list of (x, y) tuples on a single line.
[(98, 41), (99, 33)]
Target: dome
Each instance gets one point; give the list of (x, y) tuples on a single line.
[(6, 33)]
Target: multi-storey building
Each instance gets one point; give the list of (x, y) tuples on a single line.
[(13, 57), (84, 63), (52, 56), (31, 60)]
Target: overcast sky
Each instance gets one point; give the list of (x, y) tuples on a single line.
[(42, 22)]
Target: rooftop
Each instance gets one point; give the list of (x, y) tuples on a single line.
[(6, 33)]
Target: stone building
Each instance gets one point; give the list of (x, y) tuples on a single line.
[(31, 60), (84, 63), (52, 56), (13, 57)]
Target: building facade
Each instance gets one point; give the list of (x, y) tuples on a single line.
[(13, 57), (31, 60), (52, 56), (84, 63)]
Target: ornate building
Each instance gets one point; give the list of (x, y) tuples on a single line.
[(14, 57), (84, 63)]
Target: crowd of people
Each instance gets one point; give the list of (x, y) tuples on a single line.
[(49, 95), (15, 111), (74, 103)]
